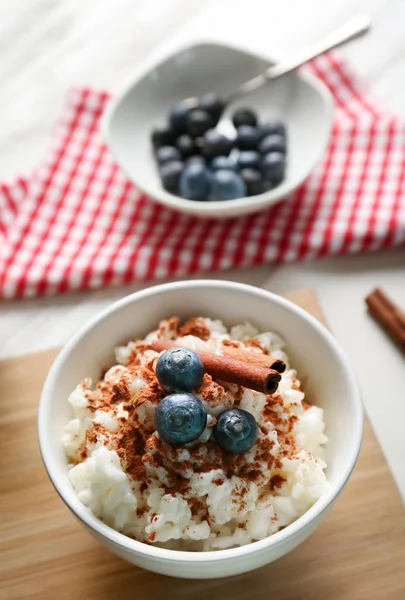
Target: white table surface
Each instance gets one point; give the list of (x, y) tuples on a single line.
[(48, 45)]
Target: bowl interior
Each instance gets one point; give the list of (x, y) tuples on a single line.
[(329, 380), (302, 102)]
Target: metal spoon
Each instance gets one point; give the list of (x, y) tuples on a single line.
[(353, 29)]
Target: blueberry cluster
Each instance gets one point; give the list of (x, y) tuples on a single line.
[(181, 418), (198, 162)]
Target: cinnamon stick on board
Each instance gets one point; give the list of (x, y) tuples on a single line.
[(256, 358), (254, 377), (388, 314)]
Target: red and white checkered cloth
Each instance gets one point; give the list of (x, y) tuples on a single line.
[(79, 223)]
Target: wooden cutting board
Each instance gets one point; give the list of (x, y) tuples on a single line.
[(358, 552)]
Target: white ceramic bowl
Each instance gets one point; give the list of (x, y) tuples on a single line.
[(301, 100), (314, 351)]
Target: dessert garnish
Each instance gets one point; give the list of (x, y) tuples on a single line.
[(180, 418), (179, 369), (251, 375), (236, 430)]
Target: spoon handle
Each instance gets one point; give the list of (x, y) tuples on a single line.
[(354, 28)]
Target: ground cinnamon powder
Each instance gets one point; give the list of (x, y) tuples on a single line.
[(276, 481), (195, 326)]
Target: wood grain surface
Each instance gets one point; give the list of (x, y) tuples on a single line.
[(357, 553)]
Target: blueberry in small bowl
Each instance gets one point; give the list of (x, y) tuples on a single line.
[(223, 162), (166, 154), (216, 144), (195, 182), (213, 104), (186, 146), (247, 137), (170, 175), (273, 166), (253, 181), (244, 116), (272, 127), (227, 185), (273, 143), (198, 121), (248, 159)]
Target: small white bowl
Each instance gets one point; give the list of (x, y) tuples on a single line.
[(315, 353), (302, 101)]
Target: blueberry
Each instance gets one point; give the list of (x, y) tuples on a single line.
[(170, 175), (248, 159), (272, 127), (223, 162), (167, 154), (273, 166), (244, 116), (198, 121), (186, 146), (247, 137), (180, 418), (227, 185), (178, 116), (179, 369), (213, 104), (163, 136), (195, 182), (273, 143), (215, 144), (196, 159), (253, 181), (236, 431)]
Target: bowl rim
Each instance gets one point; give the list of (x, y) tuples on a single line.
[(210, 209), (277, 539)]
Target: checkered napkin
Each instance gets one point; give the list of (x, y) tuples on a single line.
[(79, 223)]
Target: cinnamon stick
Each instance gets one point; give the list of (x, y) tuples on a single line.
[(255, 377), (387, 314), (256, 358)]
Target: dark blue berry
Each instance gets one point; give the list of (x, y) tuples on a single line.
[(272, 127), (253, 181), (167, 154), (170, 175), (196, 159), (247, 137), (179, 369), (227, 185), (273, 143), (249, 159), (215, 144), (180, 418), (236, 431), (244, 116), (223, 162), (163, 136), (186, 146), (213, 104), (198, 121), (195, 182), (273, 166), (178, 116)]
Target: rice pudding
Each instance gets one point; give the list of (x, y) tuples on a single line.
[(194, 496)]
